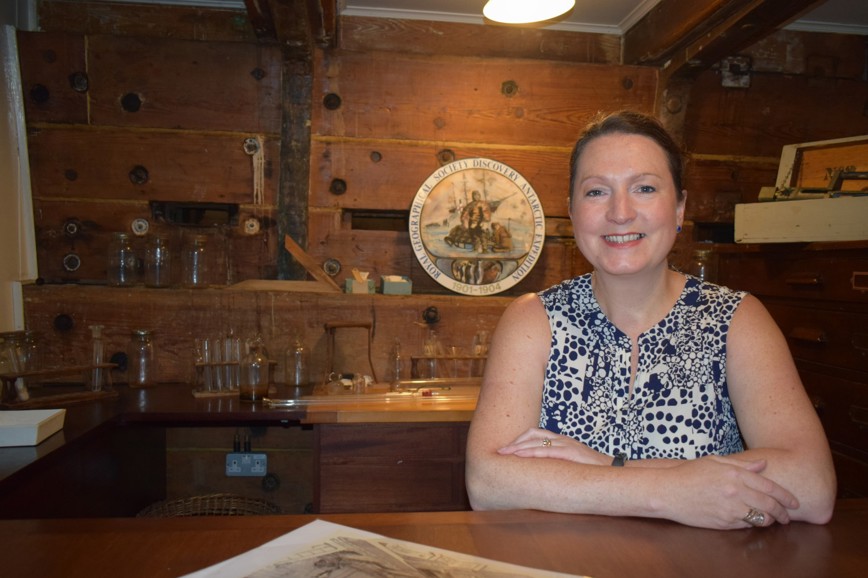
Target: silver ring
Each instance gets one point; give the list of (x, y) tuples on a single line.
[(546, 442), (754, 517)]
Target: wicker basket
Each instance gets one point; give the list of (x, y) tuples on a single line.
[(210, 505)]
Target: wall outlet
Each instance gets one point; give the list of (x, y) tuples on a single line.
[(246, 464)]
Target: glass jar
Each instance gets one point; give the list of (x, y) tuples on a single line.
[(122, 262), (158, 262), (703, 265), (141, 359), (195, 262), (255, 373), (296, 365)]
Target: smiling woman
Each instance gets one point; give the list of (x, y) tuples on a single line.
[(689, 386)]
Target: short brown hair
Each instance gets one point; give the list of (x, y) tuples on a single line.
[(630, 122)]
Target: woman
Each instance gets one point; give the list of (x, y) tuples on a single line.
[(689, 385)]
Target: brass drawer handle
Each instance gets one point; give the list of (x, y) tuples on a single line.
[(808, 334), (859, 415), (859, 281)]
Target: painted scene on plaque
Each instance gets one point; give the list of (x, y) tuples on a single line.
[(477, 226)]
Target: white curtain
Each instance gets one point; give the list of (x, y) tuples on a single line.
[(17, 238)]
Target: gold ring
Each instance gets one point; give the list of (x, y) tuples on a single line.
[(754, 517), (546, 442)]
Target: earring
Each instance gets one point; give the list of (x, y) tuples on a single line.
[(678, 229)]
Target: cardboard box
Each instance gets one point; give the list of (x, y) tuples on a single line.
[(396, 285), (353, 286)]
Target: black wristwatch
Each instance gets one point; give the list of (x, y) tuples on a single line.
[(620, 459)]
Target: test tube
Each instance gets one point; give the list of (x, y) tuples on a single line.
[(97, 373), (216, 349)]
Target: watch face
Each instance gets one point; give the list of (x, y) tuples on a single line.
[(477, 226)]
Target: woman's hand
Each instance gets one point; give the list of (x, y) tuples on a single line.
[(540, 443), (711, 492), (718, 492)]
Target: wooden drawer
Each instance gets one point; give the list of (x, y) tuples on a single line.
[(843, 408), (834, 275), (830, 335), (390, 467)]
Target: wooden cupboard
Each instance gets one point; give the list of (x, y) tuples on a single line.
[(818, 295), (390, 467)]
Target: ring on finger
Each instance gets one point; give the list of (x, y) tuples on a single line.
[(754, 517), (546, 442)]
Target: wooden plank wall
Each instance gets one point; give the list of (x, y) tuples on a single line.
[(412, 94), (388, 136), (803, 87), (178, 317), (149, 119)]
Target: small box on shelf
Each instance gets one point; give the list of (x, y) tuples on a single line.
[(353, 286), (396, 285)]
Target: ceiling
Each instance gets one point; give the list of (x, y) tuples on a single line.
[(602, 16)]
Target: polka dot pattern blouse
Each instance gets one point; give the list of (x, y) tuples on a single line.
[(679, 407)]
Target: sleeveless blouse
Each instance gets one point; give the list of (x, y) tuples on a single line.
[(680, 406)]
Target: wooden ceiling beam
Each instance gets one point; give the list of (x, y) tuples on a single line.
[(261, 18), (296, 24), (323, 16), (685, 37)]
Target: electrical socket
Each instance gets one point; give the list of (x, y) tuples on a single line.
[(246, 464)]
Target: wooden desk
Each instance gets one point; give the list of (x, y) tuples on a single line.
[(600, 547)]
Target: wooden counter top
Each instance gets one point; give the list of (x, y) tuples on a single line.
[(597, 546), (174, 405), (407, 408)]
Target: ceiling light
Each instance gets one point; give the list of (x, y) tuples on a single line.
[(525, 11)]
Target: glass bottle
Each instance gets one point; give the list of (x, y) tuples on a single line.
[(396, 366), (255, 375), (195, 262), (296, 365), (702, 265), (122, 263), (141, 359), (158, 262)]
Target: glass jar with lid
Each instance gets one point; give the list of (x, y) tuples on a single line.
[(255, 373), (140, 361), (703, 264), (122, 270), (158, 262), (195, 262)]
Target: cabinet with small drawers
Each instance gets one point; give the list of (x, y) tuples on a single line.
[(818, 295)]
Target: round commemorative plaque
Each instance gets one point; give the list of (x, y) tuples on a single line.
[(477, 226)]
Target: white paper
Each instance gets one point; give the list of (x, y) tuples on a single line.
[(325, 549)]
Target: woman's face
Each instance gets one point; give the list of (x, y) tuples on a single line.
[(625, 209)]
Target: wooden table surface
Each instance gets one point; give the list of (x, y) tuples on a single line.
[(601, 547)]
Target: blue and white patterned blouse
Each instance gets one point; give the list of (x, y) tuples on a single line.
[(680, 406)]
